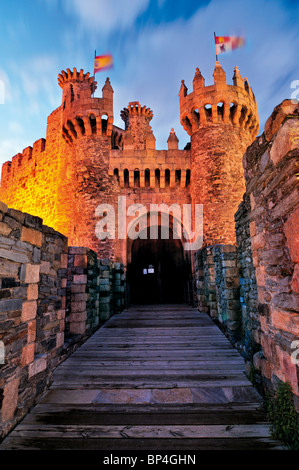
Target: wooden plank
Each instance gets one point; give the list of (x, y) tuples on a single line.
[(38, 443), (143, 431)]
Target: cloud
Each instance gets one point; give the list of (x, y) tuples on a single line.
[(38, 81), (5, 88), (159, 56), (105, 16)]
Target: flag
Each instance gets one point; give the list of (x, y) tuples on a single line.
[(102, 62), (228, 43)]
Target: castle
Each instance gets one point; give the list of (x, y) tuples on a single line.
[(86, 160), (60, 279)]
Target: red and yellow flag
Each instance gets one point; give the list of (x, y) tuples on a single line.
[(102, 62), (228, 43)]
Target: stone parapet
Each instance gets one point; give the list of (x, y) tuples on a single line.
[(271, 173), (219, 103), (51, 300)]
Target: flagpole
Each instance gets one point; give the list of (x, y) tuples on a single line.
[(95, 53), (215, 46)]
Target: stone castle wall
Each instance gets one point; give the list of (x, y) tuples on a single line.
[(52, 297), (271, 174), (260, 275)]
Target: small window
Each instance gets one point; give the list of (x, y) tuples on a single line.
[(104, 124), (126, 178), (157, 177), (136, 178), (188, 177), (167, 177), (116, 175), (147, 178)]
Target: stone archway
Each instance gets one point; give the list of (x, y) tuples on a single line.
[(158, 270)]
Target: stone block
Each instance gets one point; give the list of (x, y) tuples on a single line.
[(260, 276), (286, 140), (30, 273), (80, 279), (286, 321), (4, 229), (291, 230), (27, 354), (273, 123), (78, 317), (32, 221), (18, 215), (31, 332), (32, 292), (78, 306), (287, 371), (3, 207), (269, 350), (80, 260), (10, 305), (59, 339), (16, 256), (29, 310), (286, 302), (31, 236), (38, 366), (295, 279), (258, 241), (78, 328), (10, 400), (45, 267)]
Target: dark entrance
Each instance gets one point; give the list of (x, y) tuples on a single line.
[(157, 272)]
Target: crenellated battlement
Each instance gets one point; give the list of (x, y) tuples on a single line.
[(135, 109), (22, 162), (68, 77), (139, 134), (219, 103), (84, 115)]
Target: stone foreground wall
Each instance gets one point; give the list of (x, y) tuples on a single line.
[(253, 289), (271, 174), (52, 297)]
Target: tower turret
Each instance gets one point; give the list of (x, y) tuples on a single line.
[(222, 121), (87, 124), (82, 113), (139, 133)]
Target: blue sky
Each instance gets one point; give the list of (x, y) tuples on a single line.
[(155, 44)]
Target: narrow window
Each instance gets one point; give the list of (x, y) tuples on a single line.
[(167, 177), (126, 178), (157, 177), (104, 124), (136, 178), (188, 177), (116, 175), (147, 178), (178, 177)]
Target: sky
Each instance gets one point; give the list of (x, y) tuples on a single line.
[(155, 44)]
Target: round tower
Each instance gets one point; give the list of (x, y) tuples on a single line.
[(86, 126), (84, 115), (139, 134), (222, 121)]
